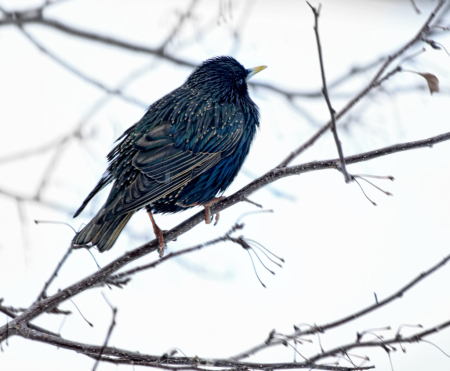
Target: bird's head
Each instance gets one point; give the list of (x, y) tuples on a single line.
[(222, 77)]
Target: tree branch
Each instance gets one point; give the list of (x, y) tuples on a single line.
[(270, 177), (121, 356), (43, 293)]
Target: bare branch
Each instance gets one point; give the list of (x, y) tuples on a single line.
[(333, 128), (191, 222), (122, 356), (116, 355), (35, 17)]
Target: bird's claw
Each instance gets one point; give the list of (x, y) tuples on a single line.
[(162, 245), (208, 217)]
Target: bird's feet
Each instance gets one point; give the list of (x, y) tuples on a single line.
[(208, 205), (159, 233)]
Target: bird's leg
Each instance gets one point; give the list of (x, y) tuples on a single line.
[(158, 232), (208, 209)]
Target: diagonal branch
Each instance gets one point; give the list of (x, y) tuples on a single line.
[(270, 177), (43, 293), (35, 17)]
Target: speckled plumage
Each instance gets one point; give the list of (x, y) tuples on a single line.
[(186, 149)]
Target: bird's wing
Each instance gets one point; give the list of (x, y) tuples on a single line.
[(169, 156)]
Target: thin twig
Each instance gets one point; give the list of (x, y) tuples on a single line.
[(81, 314), (175, 30), (415, 6), (168, 257), (333, 128), (172, 255), (43, 293), (108, 335), (78, 72)]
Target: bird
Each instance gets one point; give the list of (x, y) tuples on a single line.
[(186, 149)]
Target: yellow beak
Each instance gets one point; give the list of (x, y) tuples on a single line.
[(253, 71)]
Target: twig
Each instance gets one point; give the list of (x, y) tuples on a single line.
[(182, 18), (373, 185), (43, 294), (172, 255), (78, 72), (108, 335), (333, 128), (33, 152), (168, 257), (429, 342), (415, 6), (364, 193), (81, 314)]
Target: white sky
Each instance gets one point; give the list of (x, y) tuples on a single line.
[(339, 249)]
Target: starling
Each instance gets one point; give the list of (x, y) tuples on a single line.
[(186, 149)]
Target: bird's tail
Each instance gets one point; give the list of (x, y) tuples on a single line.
[(103, 235)]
